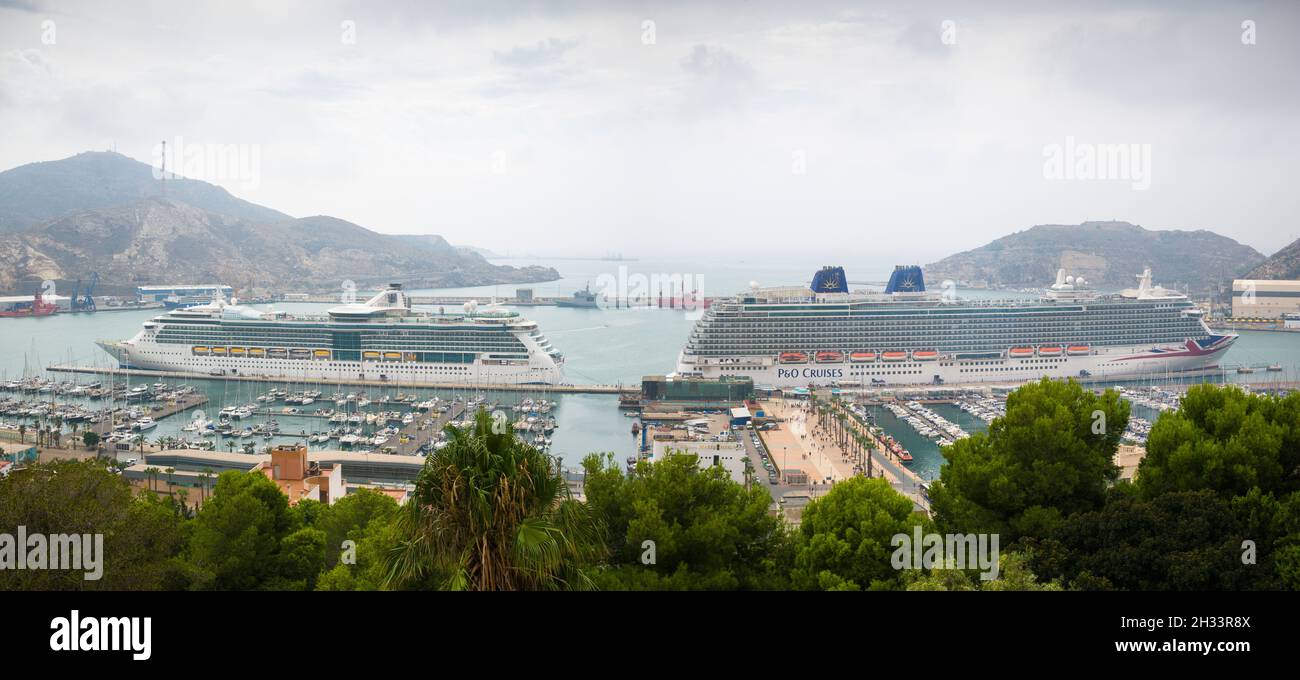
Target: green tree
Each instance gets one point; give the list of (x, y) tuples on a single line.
[(141, 535), (1013, 574), (235, 540), (493, 513), (351, 517), (1052, 455), (301, 559), (1185, 540), (702, 530), (90, 438), (845, 537), (1224, 440)]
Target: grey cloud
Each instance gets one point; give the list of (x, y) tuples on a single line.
[(544, 53)]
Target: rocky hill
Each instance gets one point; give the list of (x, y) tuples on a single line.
[(38, 192), (1108, 254), (204, 234), (1284, 264)]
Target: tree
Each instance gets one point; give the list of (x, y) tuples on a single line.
[(674, 525), (1185, 540), (1224, 440), (351, 517), (1013, 574), (235, 540), (493, 513), (22, 433), (1052, 455), (845, 537), (141, 536), (90, 438)]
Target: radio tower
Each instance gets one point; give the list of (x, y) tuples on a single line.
[(164, 168)]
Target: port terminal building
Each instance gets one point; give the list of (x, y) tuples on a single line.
[(204, 292), (1264, 299)]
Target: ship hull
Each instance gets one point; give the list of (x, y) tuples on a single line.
[(179, 358), (1112, 363)]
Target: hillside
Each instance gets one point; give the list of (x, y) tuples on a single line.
[(1284, 264), (86, 214), (1108, 254), (38, 192)]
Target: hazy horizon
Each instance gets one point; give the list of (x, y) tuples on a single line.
[(820, 130)]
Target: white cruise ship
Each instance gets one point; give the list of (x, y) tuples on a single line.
[(382, 339), (826, 335)]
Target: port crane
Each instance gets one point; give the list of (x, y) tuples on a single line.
[(86, 303)]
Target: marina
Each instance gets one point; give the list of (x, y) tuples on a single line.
[(606, 352)]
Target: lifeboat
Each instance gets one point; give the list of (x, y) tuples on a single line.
[(893, 356), (409, 356), (794, 358), (256, 352), (862, 357), (299, 354), (370, 355), (1049, 351), (277, 352), (1020, 352), (829, 357), (925, 355), (321, 354), (236, 351), (199, 350), (1079, 350), (219, 351), (392, 356)]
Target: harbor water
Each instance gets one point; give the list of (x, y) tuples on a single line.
[(601, 346)]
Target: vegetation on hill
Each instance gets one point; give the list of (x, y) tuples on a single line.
[(1108, 254)]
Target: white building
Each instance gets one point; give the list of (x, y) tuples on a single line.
[(728, 455), (1264, 299)]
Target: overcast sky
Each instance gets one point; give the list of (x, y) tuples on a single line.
[(763, 128)]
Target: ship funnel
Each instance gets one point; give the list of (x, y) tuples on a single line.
[(906, 279), (830, 280)]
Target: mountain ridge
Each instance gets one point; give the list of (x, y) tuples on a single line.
[(1109, 254), (106, 213)]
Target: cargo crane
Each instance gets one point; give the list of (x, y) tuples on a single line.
[(85, 303)]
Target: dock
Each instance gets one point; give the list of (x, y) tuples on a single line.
[(484, 387)]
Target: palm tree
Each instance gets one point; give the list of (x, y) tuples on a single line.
[(22, 433), (491, 512), (169, 472), (152, 474), (207, 476)]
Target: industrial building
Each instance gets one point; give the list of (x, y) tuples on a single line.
[(1264, 299), (183, 293), (696, 391)]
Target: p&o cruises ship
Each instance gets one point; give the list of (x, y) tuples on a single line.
[(827, 335), (381, 339)]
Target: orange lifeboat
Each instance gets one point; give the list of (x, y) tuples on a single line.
[(862, 357), (829, 357), (794, 358), (893, 356), (1049, 351), (1020, 352), (925, 355), (1079, 350)]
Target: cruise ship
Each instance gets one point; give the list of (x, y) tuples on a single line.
[(825, 334), (381, 339)]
